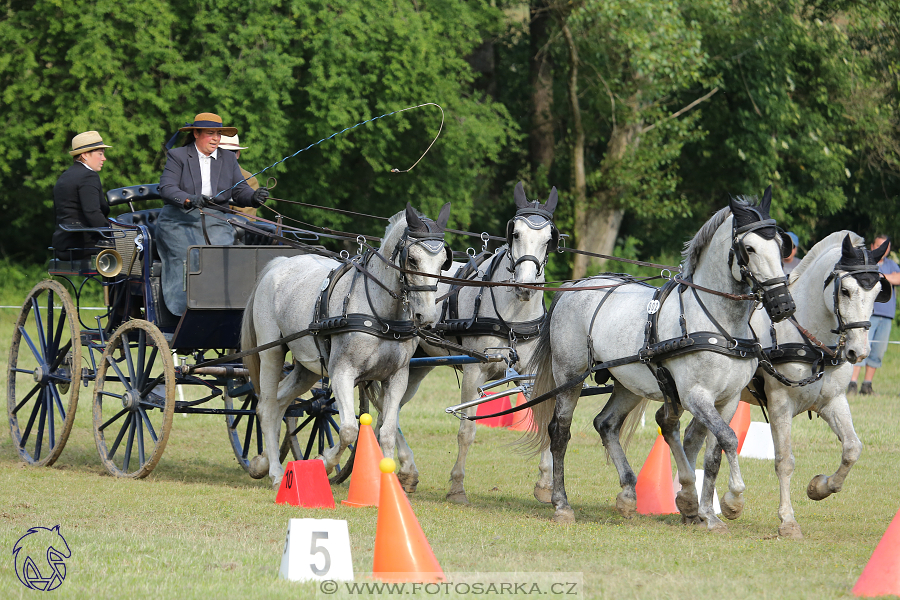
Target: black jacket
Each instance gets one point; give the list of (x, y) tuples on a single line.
[(78, 199)]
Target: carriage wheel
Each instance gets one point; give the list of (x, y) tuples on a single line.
[(134, 399), (244, 431), (44, 374), (319, 428)]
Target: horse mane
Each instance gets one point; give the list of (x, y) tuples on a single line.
[(395, 223), (831, 241), (692, 249)]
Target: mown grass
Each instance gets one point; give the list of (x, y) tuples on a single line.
[(198, 527)]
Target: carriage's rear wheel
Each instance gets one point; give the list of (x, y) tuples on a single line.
[(244, 430), (134, 399), (43, 373)]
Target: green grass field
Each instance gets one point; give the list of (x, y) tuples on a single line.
[(199, 527)]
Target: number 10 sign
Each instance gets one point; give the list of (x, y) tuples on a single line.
[(317, 549)]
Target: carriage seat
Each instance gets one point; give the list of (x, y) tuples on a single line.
[(148, 219)]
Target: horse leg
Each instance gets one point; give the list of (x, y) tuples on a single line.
[(342, 384), (543, 488), (465, 436), (608, 424), (694, 436), (559, 430), (408, 474), (686, 498), (270, 411), (837, 414), (393, 388), (780, 415)]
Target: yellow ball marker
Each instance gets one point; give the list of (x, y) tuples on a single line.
[(387, 465), (365, 419)]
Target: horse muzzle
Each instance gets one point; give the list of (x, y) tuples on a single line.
[(778, 302)]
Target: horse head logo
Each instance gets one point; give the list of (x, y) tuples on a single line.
[(39, 557)]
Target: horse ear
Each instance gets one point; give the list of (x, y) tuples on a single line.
[(848, 251), (521, 199), (767, 199), (412, 219), (443, 217), (878, 253), (550, 205)]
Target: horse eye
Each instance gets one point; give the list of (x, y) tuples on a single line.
[(845, 292), (750, 249), (516, 235), (412, 263)]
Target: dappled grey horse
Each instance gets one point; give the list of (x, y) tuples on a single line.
[(485, 317), (364, 314), (835, 287), (616, 332)]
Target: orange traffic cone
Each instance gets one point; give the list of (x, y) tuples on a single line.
[(524, 419), (654, 483), (740, 423), (881, 577), (401, 551), (365, 481)]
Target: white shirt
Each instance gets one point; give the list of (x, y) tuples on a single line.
[(205, 162)]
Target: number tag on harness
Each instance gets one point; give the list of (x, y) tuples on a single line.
[(652, 307), (325, 284)]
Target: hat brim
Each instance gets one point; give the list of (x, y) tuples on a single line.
[(223, 130), (88, 149), (232, 147)]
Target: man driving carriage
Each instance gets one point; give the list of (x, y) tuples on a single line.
[(198, 176)]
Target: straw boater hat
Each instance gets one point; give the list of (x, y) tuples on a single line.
[(86, 142), (209, 121), (231, 142)]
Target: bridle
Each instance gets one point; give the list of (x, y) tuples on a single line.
[(432, 239), (535, 218), (773, 293), (838, 274)]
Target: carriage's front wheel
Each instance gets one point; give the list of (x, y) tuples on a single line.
[(43, 374), (134, 399)]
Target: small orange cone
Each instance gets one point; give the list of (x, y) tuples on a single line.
[(494, 406), (365, 480), (654, 483), (740, 423), (305, 484), (881, 577), (401, 551), (524, 419)]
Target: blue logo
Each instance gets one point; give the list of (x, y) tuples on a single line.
[(40, 558)]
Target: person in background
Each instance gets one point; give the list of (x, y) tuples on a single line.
[(882, 318), (78, 198), (233, 143), (791, 261)]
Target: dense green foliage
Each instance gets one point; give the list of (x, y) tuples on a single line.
[(682, 102)]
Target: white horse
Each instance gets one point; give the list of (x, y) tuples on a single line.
[(364, 326), (835, 287), (604, 330), (505, 317)]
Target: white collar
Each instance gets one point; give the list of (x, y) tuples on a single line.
[(199, 153), (90, 169)]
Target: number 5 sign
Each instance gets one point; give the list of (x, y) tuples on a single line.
[(317, 549)]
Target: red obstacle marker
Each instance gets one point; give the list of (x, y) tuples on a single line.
[(524, 419), (494, 406), (402, 553), (654, 483), (881, 577), (740, 423), (305, 484)]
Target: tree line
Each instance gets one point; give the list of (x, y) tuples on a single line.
[(645, 114)]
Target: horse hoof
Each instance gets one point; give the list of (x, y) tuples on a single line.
[(542, 494), (732, 506), (457, 498), (564, 516), (409, 483), (626, 505), (259, 466), (790, 531), (688, 507), (328, 471), (695, 520), (717, 527), (818, 488)]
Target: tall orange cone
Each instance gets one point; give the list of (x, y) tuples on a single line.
[(365, 480), (522, 420), (654, 483), (881, 577), (401, 551), (740, 423)]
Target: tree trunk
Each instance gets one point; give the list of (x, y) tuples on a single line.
[(541, 142)]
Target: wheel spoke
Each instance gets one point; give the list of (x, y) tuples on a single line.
[(34, 413), (115, 446), (129, 361), (145, 375), (58, 401), (327, 429), (302, 425), (40, 324), (26, 371), (237, 419), (51, 426), (149, 424), (140, 434), (259, 438), (34, 350), (124, 380), (36, 387), (115, 418), (127, 462), (251, 421), (50, 340), (312, 438), (39, 441)]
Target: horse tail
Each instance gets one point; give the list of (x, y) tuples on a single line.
[(631, 423), (248, 331), (537, 439)]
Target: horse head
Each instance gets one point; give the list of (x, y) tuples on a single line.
[(422, 250), (856, 285), (531, 236), (757, 249)]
